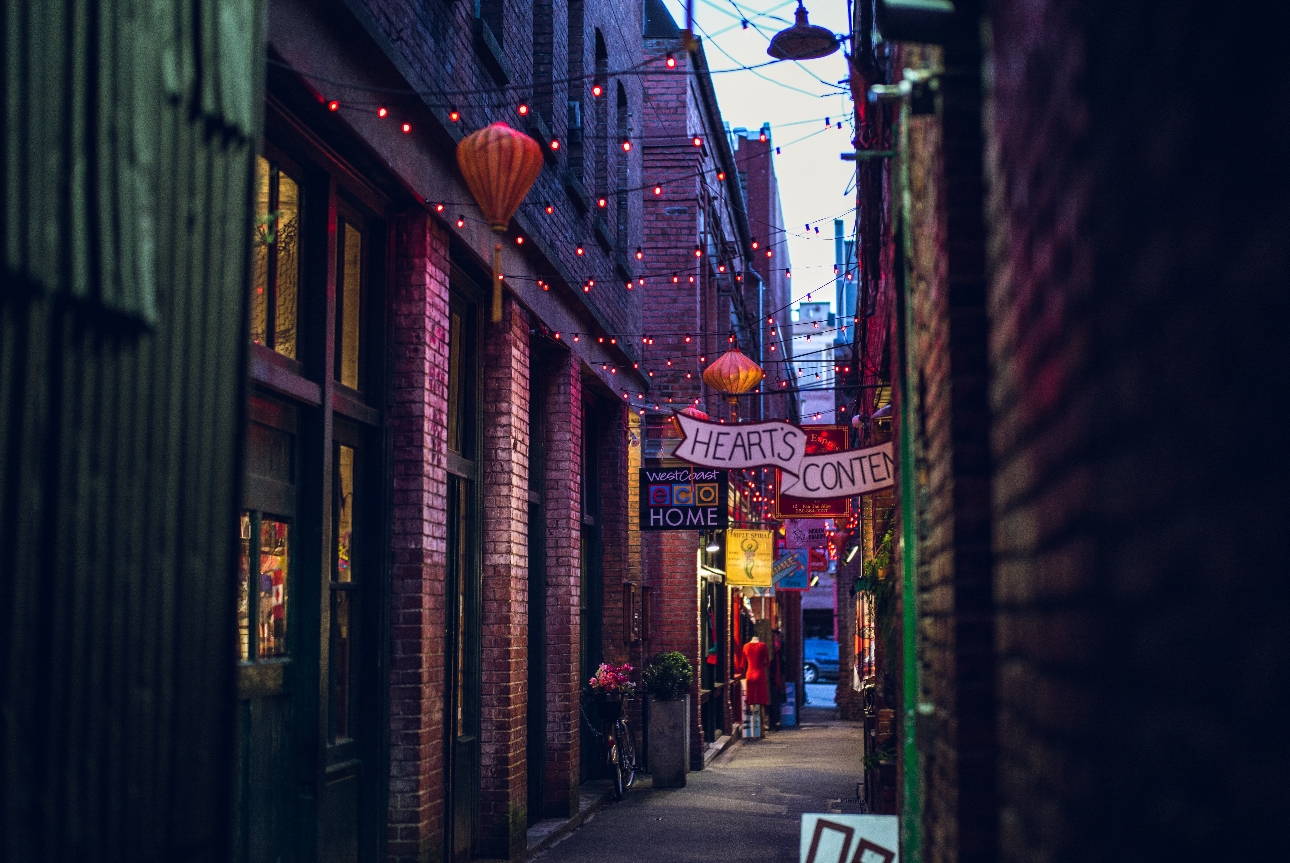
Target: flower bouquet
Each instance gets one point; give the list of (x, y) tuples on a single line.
[(611, 684)]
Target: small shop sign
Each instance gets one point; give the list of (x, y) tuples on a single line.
[(750, 558), (791, 570), (683, 498), (807, 532), (829, 838)]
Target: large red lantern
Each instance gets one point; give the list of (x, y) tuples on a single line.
[(733, 374), (499, 165)]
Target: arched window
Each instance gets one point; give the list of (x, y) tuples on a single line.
[(622, 173)]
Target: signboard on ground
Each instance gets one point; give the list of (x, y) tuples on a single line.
[(750, 558), (828, 838), (683, 498)]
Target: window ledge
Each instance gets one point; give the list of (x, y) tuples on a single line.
[(490, 52)]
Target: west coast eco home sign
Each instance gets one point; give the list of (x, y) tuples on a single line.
[(683, 498), (783, 445)]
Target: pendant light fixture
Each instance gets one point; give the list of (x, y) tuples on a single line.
[(802, 41)]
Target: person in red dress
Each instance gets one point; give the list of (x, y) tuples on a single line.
[(757, 657)]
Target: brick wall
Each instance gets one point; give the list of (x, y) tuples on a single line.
[(418, 409), (947, 281), (503, 779), (670, 571), (563, 498), (1137, 303)]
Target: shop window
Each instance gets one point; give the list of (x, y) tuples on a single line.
[(275, 258), (262, 594), (349, 297), (344, 597)]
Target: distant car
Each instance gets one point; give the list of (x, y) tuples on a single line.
[(819, 659)]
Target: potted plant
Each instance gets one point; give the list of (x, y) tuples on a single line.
[(667, 681)]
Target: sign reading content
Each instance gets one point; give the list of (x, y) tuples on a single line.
[(683, 499), (783, 445)]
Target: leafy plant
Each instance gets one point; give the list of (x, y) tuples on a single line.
[(668, 676)]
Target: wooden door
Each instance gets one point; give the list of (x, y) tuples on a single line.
[(266, 619)]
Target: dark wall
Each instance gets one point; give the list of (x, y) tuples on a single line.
[(127, 145), (1138, 367)]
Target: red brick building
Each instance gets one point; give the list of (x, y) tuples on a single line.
[(437, 507)]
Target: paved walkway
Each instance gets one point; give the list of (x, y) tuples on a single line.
[(746, 806)]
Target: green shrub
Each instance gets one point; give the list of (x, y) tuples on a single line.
[(668, 676)]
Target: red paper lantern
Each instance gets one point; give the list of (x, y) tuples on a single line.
[(499, 165)]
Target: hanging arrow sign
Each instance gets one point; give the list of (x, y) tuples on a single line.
[(783, 445)]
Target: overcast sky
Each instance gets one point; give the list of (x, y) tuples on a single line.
[(814, 183)]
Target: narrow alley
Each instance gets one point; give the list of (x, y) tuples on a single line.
[(746, 805)]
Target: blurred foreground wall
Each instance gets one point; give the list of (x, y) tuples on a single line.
[(127, 141)]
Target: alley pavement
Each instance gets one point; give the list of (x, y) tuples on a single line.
[(746, 806)]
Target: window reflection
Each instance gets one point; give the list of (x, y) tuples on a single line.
[(275, 259), (272, 599), (349, 292), (344, 512), (244, 590)]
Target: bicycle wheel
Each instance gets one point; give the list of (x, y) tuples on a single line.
[(614, 757), (626, 754)]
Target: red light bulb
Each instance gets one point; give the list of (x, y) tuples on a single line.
[(382, 112), (333, 105)]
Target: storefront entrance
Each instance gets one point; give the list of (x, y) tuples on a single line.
[(311, 604)]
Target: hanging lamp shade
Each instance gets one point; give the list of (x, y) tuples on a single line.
[(802, 41), (733, 374), (499, 165)]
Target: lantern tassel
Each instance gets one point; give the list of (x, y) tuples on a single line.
[(497, 283)]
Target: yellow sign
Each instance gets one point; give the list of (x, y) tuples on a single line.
[(750, 558)]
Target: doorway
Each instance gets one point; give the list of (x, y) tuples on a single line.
[(464, 577)]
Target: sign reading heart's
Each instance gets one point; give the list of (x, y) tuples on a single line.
[(783, 445)]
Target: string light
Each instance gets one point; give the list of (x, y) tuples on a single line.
[(406, 127), (640, 253), (698, 142), (627, 146), (555, 144), (579, 251), (519, 241), (549, 209), (597, 90), (601, 203), (382, 112), (523, 109), (461, 221), (454, 115), (438, 208), (658, 189), (671, 60), (721, 175), (333, 105)]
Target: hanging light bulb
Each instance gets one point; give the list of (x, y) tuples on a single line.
[(671, 60), (333, 105), (640, 253), (658, 189), (382, 112), (454, 115)]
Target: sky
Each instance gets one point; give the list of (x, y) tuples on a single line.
[(815, 185)]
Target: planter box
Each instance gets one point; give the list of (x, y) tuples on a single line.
[(669, 742)]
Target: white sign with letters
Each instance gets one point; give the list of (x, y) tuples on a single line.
[(782, 445), (828, 838)]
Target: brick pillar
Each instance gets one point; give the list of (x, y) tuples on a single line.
[(671, 564), (612, 471), (503, 727), (563, 575), (418, 408)]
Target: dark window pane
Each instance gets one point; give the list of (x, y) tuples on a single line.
[(341, 669), (455, 366), (274, 554), (275, 259)]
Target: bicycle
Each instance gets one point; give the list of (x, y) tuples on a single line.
[(620, 745)]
